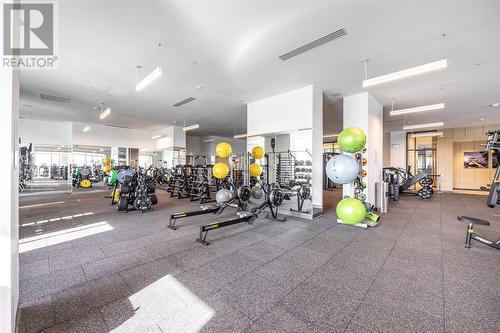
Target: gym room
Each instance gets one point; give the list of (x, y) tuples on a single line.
[(250, 166)]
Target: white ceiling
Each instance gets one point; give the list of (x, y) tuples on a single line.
[(231, 49)]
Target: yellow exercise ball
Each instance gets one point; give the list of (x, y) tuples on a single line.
[(223, 149), (257, 152), (255, 170), (220, 170), (106, 161), (107, 168)]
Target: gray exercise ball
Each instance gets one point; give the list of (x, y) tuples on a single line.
[(342, 169), (223, 195), (256, 192)]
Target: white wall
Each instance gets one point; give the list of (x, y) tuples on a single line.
[(100, 135), (193, 145), (317, 148), (41, 132), (293, 109), (398, 149), (9, 205)]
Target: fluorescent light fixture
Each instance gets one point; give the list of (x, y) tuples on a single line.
[(86, 128), (495, 105), (431, 107), (209, 140), (105, 113), (156, 137), (410, 127), (240, 136), (330, 135), (192, 127), (148, 79), (432, 66), (424, 134)]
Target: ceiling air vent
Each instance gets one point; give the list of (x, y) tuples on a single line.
[(185, 101), (311, 45), (53, 98), (118, 126)]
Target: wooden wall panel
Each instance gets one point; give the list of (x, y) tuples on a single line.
[(469, 178)]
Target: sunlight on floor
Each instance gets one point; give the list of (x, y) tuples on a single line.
[(69, 217), (172, 304), (66, 235), (43, 204)]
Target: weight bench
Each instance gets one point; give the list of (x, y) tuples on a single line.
[(471, 235)]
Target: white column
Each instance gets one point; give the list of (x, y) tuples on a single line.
[(398, 149), (9, 204), (364, 111)]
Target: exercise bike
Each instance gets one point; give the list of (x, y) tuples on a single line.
[(471, 235)]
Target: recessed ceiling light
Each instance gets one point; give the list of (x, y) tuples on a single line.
[(199, 87), (101, 149), (156, 137), (418, 109), (437, 124), (432, 66), (481, 119), (495, 105), (86, 128)]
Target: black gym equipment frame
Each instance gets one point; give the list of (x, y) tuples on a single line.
[(493, 144), (272, 197), (214, 209), (471, 235)]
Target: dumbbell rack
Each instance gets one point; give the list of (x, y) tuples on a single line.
[(285, 169)]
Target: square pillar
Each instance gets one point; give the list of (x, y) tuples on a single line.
[(365, 112)]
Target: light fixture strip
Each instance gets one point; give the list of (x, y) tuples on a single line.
[(86, 129), (149, 79), (192, 127), (330, 135), (105, 113), (156, 137), (432, 66), (426, 134), (423, 108), (240, 136), (437, 124)]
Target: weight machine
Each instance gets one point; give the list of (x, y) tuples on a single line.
[(493, 144), (401, 180)]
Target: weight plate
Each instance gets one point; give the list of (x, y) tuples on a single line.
[(122, 173), (244, 192), (276, 197)]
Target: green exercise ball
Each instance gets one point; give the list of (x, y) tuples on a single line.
[(351, 210), (352, 140)]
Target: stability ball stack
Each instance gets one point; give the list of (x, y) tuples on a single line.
[(255, 170), (345, 169), (221, 170)]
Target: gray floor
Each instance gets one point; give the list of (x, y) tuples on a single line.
[(104, 271)]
